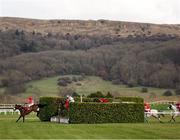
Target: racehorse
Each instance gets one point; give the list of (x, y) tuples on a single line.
[(176, 111), (154, 113), (26, 110), (151, 112)]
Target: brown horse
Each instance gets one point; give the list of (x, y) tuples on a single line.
[(26, 110)]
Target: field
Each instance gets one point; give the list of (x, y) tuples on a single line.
[(90, 84), (34, 129), (49, 87)]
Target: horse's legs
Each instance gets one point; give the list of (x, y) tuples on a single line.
[(157, 117), (145, 118), (154, 116), (171, 119), (174, 118), (23, 118), (18, 118), (37, 113)]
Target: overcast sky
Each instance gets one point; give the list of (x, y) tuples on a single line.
[(152, 11)]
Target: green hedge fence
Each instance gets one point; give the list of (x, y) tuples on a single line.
[(106, 113), (90, 111)]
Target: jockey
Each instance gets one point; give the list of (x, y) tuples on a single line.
[(147, 107), (69, 100), (30, 101), (103, 100)]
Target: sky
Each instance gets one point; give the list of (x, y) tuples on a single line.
[(149, 11)]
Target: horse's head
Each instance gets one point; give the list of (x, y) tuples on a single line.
[(17, 107), (172, 107)]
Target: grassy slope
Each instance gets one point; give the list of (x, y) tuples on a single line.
[(90, 84), (35, 129), (49, 87), (44, 87)]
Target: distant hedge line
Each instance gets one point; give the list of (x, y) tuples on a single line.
[(118, 99), (81, 111), (85, 99), (130, 99), (106, 113)]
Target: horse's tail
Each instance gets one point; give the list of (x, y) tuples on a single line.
[(41, 105)]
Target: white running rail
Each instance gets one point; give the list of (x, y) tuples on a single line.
[(164, 113), (8, 109), (163, 102)]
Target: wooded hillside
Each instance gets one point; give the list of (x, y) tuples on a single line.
[(128, 53)]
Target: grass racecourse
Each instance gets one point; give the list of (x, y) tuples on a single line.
[(35, 129)]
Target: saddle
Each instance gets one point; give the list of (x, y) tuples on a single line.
[(26, 109)]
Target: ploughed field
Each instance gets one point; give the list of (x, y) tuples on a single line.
[(35, 129)]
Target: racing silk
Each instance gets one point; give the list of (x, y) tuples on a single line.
[(68, 100), (178, 106), (30, 101), (103, 100), (26, 109), (147, 107), (67, 104)]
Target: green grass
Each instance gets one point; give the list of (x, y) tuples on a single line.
[(34, 129), (160, 106), (44, 87), (49, 87)]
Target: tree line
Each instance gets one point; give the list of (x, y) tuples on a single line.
[(134, 62), (15, 42)]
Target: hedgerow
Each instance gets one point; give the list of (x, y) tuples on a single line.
[(91, 111), (130, 99), (106, 113), (51, 108)]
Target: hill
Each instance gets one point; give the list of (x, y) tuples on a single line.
[(135, 54), (89, 27)]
